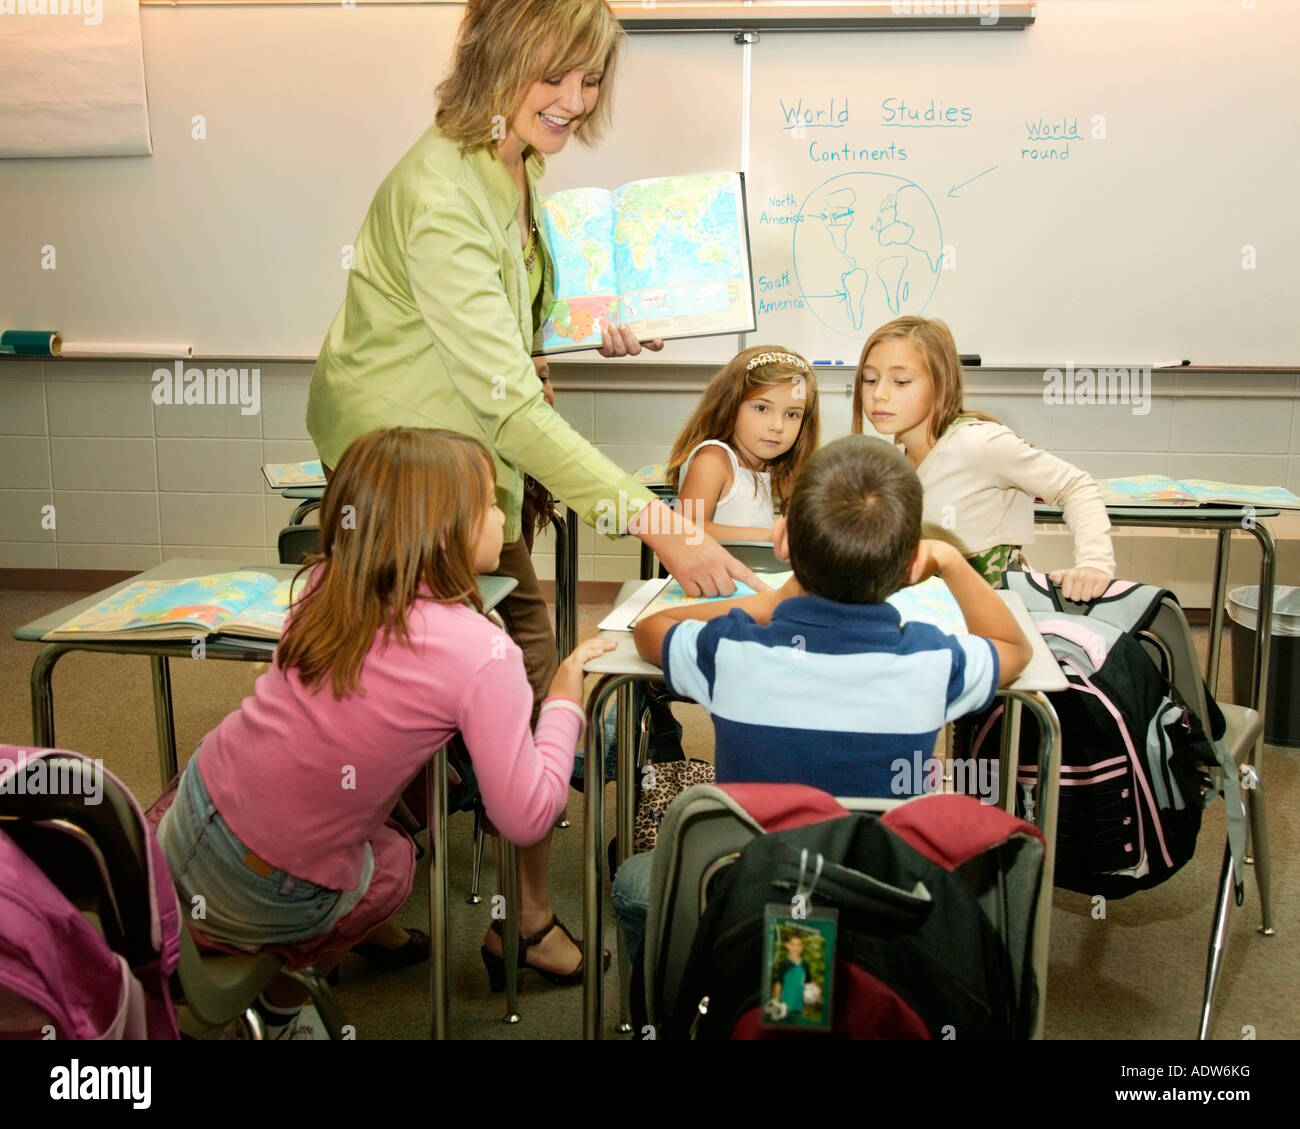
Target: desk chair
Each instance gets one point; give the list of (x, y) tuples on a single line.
[(1169, 641), (297, 542), (705, 830), (218, 990), (99, 856)]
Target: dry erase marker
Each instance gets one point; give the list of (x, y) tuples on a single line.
[(1171, 364)]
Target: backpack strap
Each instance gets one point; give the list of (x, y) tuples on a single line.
[(1035, 589), (1234, 810)]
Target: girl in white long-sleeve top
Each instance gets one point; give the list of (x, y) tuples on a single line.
[(980, 478)]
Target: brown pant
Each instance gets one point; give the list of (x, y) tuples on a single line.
[(528, 620)]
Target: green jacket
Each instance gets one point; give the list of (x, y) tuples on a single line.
[(436, 331)]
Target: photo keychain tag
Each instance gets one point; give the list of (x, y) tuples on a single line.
[(797, 988)]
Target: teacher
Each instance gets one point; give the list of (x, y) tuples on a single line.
[(451, 281), (452, 278)]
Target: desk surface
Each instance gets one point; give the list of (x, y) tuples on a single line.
[(492, 588), (1042, 673), (1190, 516), (1169, 516)]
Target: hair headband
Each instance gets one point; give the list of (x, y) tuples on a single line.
[(778, 359)]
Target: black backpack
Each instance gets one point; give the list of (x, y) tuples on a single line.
[(1135, 759), (916, 955)]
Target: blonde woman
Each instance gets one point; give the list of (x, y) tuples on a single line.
[(442, 306)]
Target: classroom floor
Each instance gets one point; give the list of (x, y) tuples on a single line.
[(1137, 974)]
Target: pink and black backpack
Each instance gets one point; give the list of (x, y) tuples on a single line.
[(1137, 767), (89, 923)]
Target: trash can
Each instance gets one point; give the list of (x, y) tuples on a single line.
[(1282, 714)]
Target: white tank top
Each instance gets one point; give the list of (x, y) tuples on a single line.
[(749, 501)]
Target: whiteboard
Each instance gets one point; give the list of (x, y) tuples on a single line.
[(1126, 249), (234, 244)]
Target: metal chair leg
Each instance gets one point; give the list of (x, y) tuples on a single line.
[(480, 834), (253, 1025), (164, 720), (509, 883), (626, 791), (331, 1014), (1259, 844), (631, 772), (1218, 941), (438, 980)]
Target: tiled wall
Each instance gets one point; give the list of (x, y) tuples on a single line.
[(133, 482)]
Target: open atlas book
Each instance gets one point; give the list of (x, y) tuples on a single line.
[(282, 475), (667, 257), (1160, 490), (245, 604)]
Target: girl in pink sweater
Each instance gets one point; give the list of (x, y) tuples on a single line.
[(281, 817)]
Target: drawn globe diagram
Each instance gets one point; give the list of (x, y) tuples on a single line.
[(867, 248)]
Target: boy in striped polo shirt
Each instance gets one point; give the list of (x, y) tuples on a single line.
[(817, 682)]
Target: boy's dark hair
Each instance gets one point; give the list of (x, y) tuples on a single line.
[(854, 521)]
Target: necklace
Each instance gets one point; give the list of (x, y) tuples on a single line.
[(531, 248)]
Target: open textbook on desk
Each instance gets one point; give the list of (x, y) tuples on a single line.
[(667, 257), (283, 475), (927, 602), (247, 605), (1160, 490)]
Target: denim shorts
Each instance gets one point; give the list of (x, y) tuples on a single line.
[(245, 902)]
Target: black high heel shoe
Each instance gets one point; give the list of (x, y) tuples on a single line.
[(496, 966), (415, 950)]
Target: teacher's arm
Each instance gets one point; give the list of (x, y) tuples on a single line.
[(455, 278)]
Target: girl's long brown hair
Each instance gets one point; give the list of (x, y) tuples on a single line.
[(934, 341), (399, 521), (504, 46), (715, 415)]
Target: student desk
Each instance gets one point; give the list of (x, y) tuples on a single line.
[(308, 498), (492, 588), (566, 562), (622, 667), (1223, 519)]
